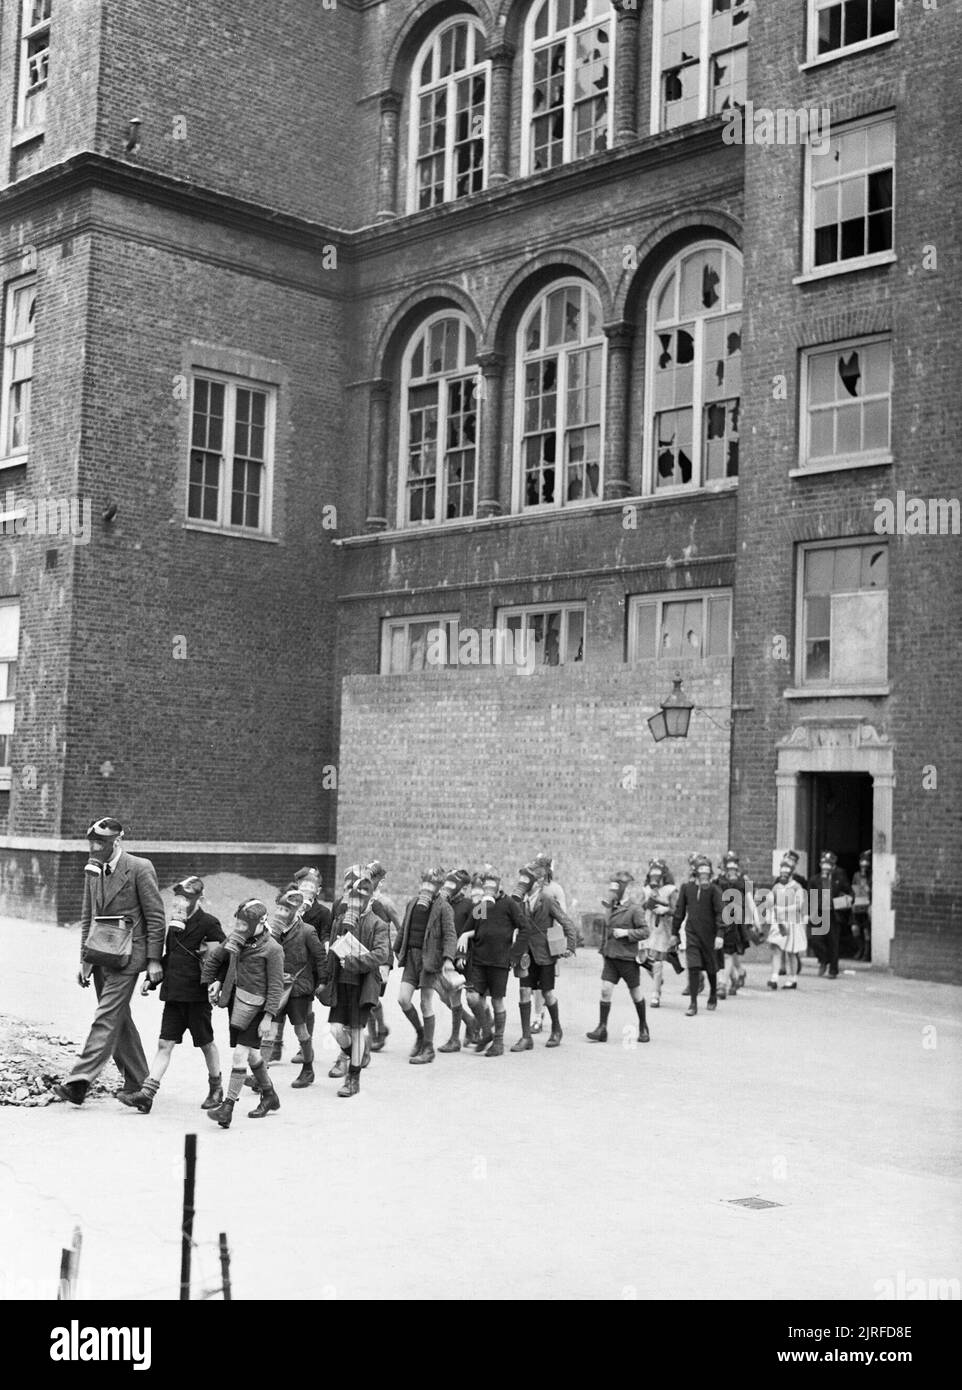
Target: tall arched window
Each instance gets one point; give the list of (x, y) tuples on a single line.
[(694, 369), (439, 422), (449, 116), (561, 354), (568, 67)]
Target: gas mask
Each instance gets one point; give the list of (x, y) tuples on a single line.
[(288, 911), (526, 884), (308, 885), (454, 884), (616, 890), (357, 895), (431, 881), (250, 921), (178, 914), (101, 852)]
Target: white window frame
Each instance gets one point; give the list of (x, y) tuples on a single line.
[(28, 32), (9, 702), (527, 86), (867, 457), (450, 83), (637, 601), (224, 526), (827, 686), (809, 268), (704, 57), (815, 7), (10, 456), (649, 452), (563, 349), (469, 370), (523, 610), (450, 620)]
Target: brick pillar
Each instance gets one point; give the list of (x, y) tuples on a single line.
[(387, 166), (499, 111), (492, 373), (618, 369), (377, 440), (626, 70)]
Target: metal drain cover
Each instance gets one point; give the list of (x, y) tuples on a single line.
[(756, 1203)]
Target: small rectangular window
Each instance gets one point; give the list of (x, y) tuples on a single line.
[(850, 203), (423, 643), (18, 332), (846, 402), (679, 627), (545, 635), (837, 26), (843, 633), (230, 468)]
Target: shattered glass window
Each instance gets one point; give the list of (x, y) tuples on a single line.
[(570, 81), (449, 112), (852, 185), (680, 628), (848, 395), (427, 643), (844, 614), (552, 636), (703, 58), (442, 422)]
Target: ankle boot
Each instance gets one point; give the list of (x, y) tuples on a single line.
[(269, 1101), (425, 1055), (352, 1083), (340, 1066), (215, 1094), (136, 1100), (453, 1043), (223, 1114), (304, 1078), (382, 1035), (599, 1034)]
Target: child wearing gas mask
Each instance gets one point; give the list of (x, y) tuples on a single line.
[(354, 976), (498, 939), (248, 969), (453, 984), (426, 947), (304, 965), (186, 1005), (699, 907), (551, 936), (624, 927), (658, 901)]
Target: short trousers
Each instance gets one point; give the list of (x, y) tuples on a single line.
[(540, 977), (493, 978), (348, 1011), (179, 1016), (298, 1008), (247, 1036), (415, 973), (627, 970)]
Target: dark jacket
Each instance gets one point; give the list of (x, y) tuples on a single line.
[(260, 969), (182, 982), (303, 958), (318, 916), (631, 917), (835, 885), (440, 941), (379, 910), (700, 907), (130, 891), (374, 933), (492, 944), (540, 918)]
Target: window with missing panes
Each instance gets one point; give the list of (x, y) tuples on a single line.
[(425, 642), (449, 115), (439, 422), (9, 647), (568, 67), (851, 195), (679, 627), (231, 448), (34, 63), (835, 25), (561, 380), (843, 630), (544, 634), (701, 57), (846, 402), (694, 369), (20, 304)]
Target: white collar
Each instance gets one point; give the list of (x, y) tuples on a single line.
[(111, 863)]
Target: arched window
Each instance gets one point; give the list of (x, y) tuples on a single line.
[(439, 422), (694, 369), (568, 67), (448, 115), (561, 353)]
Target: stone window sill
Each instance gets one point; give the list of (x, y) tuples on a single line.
[(835, 692)]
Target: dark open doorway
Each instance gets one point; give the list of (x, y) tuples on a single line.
[(837, 811)]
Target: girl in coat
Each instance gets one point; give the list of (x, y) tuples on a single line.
[(658, 902), (785, 913)]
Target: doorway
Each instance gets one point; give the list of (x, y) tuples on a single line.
[(837, 815)]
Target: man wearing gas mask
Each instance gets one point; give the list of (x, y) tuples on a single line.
[(303, 969), (700, 907), (186, 1005), (360, 948), (624, 927), (426, 947), (122, 887), (498, 939), (551, 935), (247, 970)]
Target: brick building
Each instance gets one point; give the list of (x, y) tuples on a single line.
[(431, 383)]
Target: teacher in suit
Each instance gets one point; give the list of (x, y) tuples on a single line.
[(116, 884)]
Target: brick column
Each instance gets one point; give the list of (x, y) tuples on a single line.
[(377, 440), (491, 365), (626, 70), (387, 167), (499, 111), (618, 375)]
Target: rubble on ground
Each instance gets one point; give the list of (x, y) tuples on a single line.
[(33, 1060)]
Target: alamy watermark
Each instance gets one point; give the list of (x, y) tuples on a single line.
[(482, 646), (47, 516), (781, 125), (918, 516)]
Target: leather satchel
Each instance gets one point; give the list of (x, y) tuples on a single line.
[(110, 942), (557, 941)]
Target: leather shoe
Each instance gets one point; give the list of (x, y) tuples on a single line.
[(711, 1005), (691, 1011), (524, 1044), (495, 1048), (74, 1091), (599, 1034), (425, 1055), (352, 1084), (452, 1045), (555, 1039)]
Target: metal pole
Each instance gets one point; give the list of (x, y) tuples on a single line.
[(187, 1224), (224, 1265), (63, 1288)]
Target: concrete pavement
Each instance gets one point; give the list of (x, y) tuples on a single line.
[(589, 1172)]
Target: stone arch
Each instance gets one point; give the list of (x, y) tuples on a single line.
[(422, 18), (537, 272), (661, 244), (417, 306)]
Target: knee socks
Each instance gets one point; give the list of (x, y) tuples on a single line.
[(411, 1014)]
